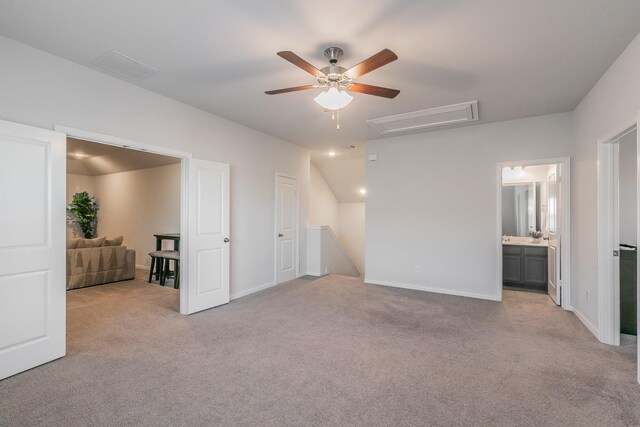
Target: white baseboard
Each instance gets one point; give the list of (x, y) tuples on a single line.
[(143, 267), (586, 323), (314, 273), (251, 290), (430, 289)]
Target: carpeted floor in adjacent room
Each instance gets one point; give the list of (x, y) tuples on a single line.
[(326, 352)]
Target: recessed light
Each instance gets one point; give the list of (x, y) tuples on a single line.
[(363, 191), (79, 155), (332, 153)]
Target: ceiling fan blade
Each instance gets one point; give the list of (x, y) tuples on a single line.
[(290, 89), (374, 90), (381, 58), (299, 62)]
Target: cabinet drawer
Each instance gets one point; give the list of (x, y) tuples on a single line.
[(511, 250), (531, 250)]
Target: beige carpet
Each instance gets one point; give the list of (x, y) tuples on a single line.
[(327, 352)]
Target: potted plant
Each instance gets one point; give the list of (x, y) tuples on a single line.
[(536, 235), (83, 211)]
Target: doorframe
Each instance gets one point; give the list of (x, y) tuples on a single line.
[(608, 233), (565, 225), (184, 157), (275, 225)]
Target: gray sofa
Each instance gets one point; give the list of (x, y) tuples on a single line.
[(89, 266)]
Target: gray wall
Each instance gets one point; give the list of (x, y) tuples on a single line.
[(433, 194), (43, 90), (611, 105)]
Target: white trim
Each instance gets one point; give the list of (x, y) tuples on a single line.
[(590, 326), (253, 290), (608, 236), (120, 142), (315, 273), (184, 196), (430, 289), (565, 223), (143, 267), (275, 226), (469, 109)]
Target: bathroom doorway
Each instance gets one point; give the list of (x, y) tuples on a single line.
[(534, 224)]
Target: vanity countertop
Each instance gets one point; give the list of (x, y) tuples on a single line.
[(542, 243)]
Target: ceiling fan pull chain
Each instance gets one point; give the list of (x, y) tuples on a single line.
[(338, 121), (333, 114)]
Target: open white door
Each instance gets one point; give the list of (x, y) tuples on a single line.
[(286, 228), (208, 236), (32, 247), (555, 235)]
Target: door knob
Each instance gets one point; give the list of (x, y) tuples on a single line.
[(226, 240), (280, 235)]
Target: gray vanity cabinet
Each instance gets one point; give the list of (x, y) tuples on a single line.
[(511, 264), (524, 266)]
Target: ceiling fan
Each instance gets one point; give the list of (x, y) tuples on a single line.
[(339, 80)]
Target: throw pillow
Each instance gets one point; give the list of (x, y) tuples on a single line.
[(113, 242), (72, 243), (90, 243)]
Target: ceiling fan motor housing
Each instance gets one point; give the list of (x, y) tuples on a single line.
[(334, 73), (333, 54)]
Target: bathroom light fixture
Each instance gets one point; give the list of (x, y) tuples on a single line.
[(363, 191), (333, 99), (332, 153), (79, 155)]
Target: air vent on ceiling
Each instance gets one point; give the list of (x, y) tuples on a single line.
[(123, 66), (424, 119)]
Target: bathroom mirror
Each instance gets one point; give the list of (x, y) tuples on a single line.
[(521, 208)]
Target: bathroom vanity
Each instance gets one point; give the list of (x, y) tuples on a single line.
[(524, 265)]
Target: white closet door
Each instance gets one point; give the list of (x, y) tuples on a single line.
[(286, 228), (208, 237)]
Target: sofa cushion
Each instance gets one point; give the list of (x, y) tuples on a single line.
[(113, 242), (94, 260), (90, 243), (72, 243)]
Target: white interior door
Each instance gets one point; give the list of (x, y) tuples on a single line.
[(554, 270), (286, 228), (552, 261), (207, 280), (32, 247)]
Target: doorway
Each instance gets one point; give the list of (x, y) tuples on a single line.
[(204, 222), (136, 198), (618, 239), (627, 237), (533, 247)]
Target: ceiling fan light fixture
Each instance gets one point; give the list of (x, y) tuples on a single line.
[(333, 99)]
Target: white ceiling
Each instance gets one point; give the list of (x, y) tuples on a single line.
[(102, 159), (517, 58)]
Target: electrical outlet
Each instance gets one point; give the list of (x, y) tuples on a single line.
[(416, 268), (442, 271)]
